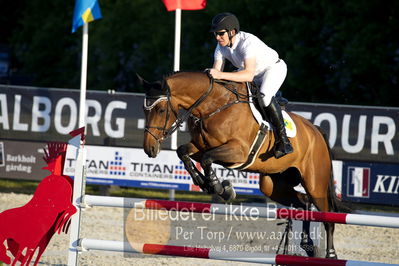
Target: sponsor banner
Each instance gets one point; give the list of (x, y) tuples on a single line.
[(22, 160), (371, 182), (132, 167), (39, 114), (124, 167), (355, 133)]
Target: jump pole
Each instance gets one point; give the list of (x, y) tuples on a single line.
[(241, 210), (207, 253)]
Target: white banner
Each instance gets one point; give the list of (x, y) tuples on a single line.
[(132, 167)]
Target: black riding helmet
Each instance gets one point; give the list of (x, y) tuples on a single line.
[(225, 21)]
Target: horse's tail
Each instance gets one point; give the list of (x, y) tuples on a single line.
[(335, 203)]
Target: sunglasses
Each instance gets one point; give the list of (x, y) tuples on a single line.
[(219, 33)]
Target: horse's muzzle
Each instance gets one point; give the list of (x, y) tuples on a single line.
[(152, 150)]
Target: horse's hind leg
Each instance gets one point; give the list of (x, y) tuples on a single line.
[(280, 189), (317, 189), (323, 205), (306, 241)]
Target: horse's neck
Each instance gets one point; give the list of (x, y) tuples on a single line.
[(186, 88), (190, 91)]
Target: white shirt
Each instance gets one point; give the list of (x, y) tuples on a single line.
[(247, 45)]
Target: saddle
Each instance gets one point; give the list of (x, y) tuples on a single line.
[(257, 100), (264, 126)]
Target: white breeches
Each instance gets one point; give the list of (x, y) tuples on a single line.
[(271, 81)]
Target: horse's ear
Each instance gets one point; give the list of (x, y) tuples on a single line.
[(157, 85), (145, 84), (149, 86), (152, 89)]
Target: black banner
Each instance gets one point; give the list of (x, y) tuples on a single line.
[(356, 133), (22, 160), (37, 114)]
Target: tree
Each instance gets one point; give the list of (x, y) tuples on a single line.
[(336, 51)]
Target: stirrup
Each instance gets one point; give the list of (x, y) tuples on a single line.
[(286, 149)]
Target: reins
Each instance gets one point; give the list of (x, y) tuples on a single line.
[(238, 99), (181, 118)]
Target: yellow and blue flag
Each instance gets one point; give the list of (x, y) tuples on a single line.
[(85, 11)]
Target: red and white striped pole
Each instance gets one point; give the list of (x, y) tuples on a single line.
[(242, 210), (207, 253)]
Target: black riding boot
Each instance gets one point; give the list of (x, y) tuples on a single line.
[(282, 145)]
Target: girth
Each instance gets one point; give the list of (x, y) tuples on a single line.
[(254, 150)]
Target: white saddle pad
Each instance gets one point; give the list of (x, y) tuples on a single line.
[(289, 123)]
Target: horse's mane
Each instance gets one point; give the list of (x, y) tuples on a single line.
[(172, 73), (204, 73)]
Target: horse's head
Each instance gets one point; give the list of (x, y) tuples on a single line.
[(159, 116)]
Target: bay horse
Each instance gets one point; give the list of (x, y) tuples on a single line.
[(223, 129)]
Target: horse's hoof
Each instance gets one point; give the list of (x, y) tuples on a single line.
[(307, 245), (309, 249), (331, 254), (228, 191)]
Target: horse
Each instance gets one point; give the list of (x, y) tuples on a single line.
[(223, 130)]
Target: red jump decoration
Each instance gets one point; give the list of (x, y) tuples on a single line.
[(29, 228)]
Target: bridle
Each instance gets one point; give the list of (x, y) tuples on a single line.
[(179, 118), (151, 101), (147, 107)]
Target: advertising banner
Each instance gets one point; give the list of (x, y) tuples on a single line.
[(38, 114), (124, 167), (132, 167), (30, 117), (22, 160), (371, 182), (355, 133)]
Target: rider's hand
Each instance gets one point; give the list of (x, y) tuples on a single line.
[(216, 74)]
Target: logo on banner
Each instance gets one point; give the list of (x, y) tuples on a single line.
[(253, 178), (180, 172), (358, 182), (116, 167), (2, 162)]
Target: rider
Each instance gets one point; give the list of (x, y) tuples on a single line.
[(255, 62)]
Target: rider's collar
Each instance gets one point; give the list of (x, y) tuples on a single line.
[(236, 41)]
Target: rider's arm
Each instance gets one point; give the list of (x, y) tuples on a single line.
[(219, 65), (246, 74)]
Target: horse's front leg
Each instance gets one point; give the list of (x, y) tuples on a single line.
[(184, 152), (229, 153)]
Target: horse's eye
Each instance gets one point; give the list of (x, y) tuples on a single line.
[(161, 111)]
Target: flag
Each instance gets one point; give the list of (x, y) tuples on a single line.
[(85, 11), (172, 5)]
